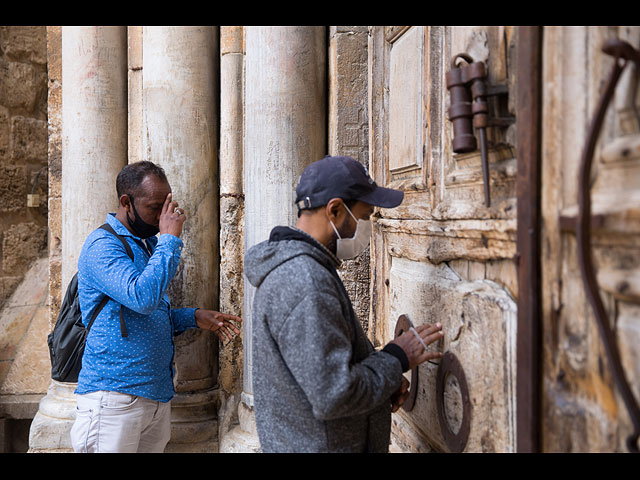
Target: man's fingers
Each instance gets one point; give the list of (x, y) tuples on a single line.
[(429, 339), (427, 328), (230, 328), (232, 318), (167, 202), (227, 322), (430, 333), (232, 321)]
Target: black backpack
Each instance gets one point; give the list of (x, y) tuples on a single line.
[(66, 341)]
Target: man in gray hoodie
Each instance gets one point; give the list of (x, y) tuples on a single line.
[(318, 383)]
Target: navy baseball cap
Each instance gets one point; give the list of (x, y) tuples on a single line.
[(345, 178)]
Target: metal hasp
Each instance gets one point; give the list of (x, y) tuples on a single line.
[(623, 54), (460, 112), (468, 91), (403, 325), (450, 365)]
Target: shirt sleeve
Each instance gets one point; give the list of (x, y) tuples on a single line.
[(316, 345), (106, 266), (183, 319)]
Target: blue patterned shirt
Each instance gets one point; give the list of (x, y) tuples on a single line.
[(142, 362)]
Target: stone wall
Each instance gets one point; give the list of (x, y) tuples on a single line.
[(349, 134), (24, 361), (23, 152)]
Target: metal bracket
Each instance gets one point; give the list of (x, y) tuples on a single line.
[(403, 325), (469, 91)]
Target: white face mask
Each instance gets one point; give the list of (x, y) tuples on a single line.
[(352, 247)]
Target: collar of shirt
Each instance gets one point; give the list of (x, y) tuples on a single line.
[(149, 244)]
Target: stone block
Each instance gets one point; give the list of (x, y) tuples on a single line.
[(31, 369), (13, 325), (33, 288), (55, 291), (231, 40), (24, 43), (54, 52), (21, 244), (13, 188), (23, 85), (479, 326), (7, 286), (55, 226), (29, 139), (4, 133)]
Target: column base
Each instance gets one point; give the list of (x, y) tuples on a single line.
[(194, 422), (51, 426), (244, 437)]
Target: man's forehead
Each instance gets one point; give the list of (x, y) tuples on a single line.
[(153, 186)]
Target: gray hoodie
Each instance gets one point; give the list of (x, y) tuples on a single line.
[(318, 383)]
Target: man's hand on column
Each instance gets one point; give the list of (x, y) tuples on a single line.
[(226, 326)]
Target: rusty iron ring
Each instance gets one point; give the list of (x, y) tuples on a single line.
[(621, 51), (465, 56), (403, 325), (450, 365)]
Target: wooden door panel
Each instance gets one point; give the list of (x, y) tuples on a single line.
[(580, 395), (442, 255), (405, 101)]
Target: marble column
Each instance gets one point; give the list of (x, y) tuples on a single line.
[(179, 132), (285, 130), (94, 150)]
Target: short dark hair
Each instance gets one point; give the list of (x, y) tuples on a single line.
[(131, 177)]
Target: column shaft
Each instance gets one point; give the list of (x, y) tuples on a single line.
[(285, 130), (179, 90), (94, 132)]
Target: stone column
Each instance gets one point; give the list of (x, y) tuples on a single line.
[(231, 220), (179, 90), (94, 132), (94, 150), (285, 130)]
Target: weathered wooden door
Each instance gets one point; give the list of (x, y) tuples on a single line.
[(443, 255), (584, 405)]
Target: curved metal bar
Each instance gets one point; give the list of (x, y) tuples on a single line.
[(621, 51)]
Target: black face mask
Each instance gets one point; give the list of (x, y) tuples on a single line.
[(141, 228)]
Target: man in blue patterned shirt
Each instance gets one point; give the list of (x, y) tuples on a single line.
[(126, 382)]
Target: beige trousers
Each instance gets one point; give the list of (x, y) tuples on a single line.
[(113, 422)]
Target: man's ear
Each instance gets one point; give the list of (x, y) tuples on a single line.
[(333, 209), (125, 201)]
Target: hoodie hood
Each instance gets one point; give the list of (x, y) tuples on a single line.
[(284, 244)]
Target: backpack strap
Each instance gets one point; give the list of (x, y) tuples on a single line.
[(125, 244), (102, 303), (127, 247)]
